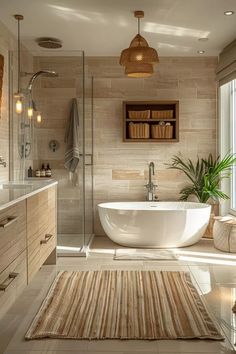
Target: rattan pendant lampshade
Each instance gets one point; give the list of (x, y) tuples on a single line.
[(139, 58)]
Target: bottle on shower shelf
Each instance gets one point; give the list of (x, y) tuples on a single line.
[(30, 172), (37, 173), (43, 171), (48, 171)]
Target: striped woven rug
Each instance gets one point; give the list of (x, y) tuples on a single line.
[(123, 305)]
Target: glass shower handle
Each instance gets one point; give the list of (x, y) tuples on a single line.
[(91, 156)]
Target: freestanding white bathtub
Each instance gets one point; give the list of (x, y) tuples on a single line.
[(154, 224)]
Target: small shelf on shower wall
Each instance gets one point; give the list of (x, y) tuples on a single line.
[(141, 121)]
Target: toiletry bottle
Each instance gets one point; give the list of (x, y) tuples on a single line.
[(30, 172), (37, 173), (42, 171), (48, 171)]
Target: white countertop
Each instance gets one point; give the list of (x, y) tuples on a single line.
[(16, 191)]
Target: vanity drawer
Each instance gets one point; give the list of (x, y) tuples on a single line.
[(48, 219), (12, 281), (47, 244), (32, 218), (39, 250), (33, 258), (12, 233), (41, 214), (41, 229)]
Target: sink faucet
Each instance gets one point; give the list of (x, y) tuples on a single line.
[(2, 162), (150, 185)]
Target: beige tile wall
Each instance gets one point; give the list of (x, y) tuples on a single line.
[(7, 45), (120, 169)]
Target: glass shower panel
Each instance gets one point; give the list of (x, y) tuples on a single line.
[(57, 99), (89, 125), (52, 98)]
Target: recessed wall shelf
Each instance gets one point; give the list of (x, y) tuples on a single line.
[(151, 121)]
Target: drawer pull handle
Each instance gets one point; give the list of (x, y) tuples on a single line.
[(47, 238), (11, 276), (8, 221)]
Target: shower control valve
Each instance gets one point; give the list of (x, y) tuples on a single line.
[(3, 162)]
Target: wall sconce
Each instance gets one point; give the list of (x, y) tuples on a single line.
[(18, 95)]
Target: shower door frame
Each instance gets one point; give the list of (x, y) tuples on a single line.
[(83, 252)]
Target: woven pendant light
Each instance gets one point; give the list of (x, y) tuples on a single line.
[(139, 70), (139, 58)]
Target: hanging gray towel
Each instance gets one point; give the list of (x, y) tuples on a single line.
[(72, 138)]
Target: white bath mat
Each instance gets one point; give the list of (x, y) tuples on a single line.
[(130, 254)]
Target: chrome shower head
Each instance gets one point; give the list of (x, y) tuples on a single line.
[(49, 73)]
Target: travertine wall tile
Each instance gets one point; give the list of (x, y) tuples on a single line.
[(8, 44), (121, 169), (127, 174)]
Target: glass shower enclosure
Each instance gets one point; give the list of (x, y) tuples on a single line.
[(39, 139)]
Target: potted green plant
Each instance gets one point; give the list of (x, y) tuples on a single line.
[(205, 176)]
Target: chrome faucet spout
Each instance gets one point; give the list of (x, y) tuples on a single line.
[(151, 171), (151, 186)]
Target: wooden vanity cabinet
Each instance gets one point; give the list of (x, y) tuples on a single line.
[(13, 264), (41, 229), (13, 281), (27, 240)]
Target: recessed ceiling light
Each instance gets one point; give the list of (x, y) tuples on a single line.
[(229, 13), (203, 39), (201, 51)]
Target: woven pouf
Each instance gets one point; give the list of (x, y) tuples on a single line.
[(224, 233)]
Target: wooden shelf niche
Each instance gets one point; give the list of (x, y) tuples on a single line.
[(151, 121)]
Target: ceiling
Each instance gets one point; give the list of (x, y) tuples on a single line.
[(105, 27)]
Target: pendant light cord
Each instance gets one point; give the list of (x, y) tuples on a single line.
[(139, 42), (18, 55)]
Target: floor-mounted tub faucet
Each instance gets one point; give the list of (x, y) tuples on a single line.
[(151, 187)]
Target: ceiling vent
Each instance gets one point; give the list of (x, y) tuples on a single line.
[(49, 42)]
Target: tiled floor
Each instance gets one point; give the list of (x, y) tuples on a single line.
[(213, 273)]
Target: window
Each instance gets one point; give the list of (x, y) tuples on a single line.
[(227, 138), (233, 141)]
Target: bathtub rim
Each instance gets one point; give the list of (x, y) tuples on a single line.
[(118, 206)]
